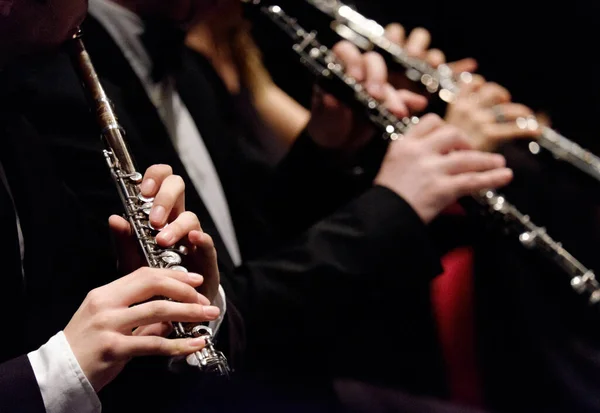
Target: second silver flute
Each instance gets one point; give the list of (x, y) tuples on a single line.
[(331, 75), (367, 34), (137, 207)]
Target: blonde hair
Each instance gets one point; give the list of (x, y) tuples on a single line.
[(226, 39), (248, 59), (227, 42)]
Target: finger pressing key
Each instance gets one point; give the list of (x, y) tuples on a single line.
[(153, 179), (147, 283), (169, 201), (418, 41), (136, 346), (178, 229), (395, 33), (159, 311), (351, 58)]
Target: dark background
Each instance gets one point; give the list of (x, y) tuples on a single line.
[(544, 53)]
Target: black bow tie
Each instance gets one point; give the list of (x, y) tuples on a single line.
[(164, 43)]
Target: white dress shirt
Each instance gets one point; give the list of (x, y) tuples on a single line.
[(125, 27)]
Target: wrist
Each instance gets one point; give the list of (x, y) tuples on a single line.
[(425, 213)]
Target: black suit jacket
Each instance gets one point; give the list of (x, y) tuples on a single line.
[(537, 336), (67, 253), (537, 346), (19, 391), (366, 267)]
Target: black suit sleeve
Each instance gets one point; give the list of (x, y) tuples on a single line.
[(318, 286), (315, 182), (357, 397), (19, 391)]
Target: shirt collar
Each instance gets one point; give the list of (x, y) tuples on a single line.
[(125, 27)]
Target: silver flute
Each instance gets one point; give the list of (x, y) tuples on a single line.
[(367, 34), (137, 207), (331, 76)]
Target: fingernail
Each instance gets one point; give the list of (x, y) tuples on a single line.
[(157, 214), (212, 312), (195, 277), (197, 342), (499, 159), (167, 236), (148, 186)]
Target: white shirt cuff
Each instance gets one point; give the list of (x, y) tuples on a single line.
[(62, 383)]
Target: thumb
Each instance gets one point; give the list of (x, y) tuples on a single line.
[(128, 248)]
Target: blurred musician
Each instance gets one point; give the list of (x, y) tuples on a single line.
[(487, 112), (530, 322)]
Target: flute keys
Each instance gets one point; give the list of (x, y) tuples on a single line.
[(147, 204), (465, 77), (595, 298), (201, 331), (528, 239), (447, 96), (146, 208), (145, 199), (413, 75), (172, 261), (577, 284), (170, 258), (136, 178)]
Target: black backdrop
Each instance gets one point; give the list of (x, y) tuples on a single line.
[(545, 54)]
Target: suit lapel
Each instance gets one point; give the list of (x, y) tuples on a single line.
[(212, 108), (204, 96)]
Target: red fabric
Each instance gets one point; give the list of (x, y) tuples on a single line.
[(452, 299)]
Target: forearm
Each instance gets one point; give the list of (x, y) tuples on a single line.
[(326, 277), (286, 117)]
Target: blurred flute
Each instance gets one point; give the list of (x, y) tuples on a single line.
[(137, 207), (331, 76), (367, 34)]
